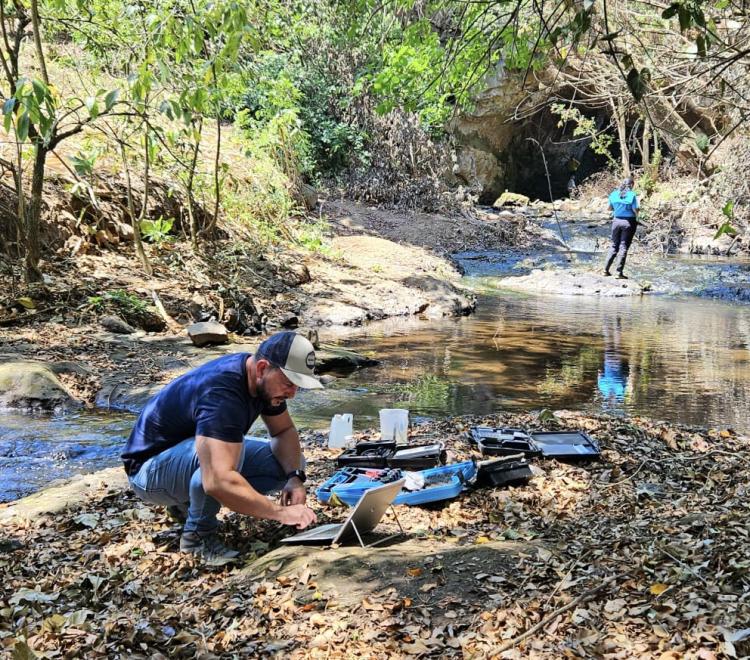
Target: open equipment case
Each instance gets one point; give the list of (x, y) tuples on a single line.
[(382, 454), (562, 445)]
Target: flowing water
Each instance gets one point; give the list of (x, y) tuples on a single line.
[(679, 359)]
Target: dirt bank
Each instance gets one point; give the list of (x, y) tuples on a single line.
[(641, 553)]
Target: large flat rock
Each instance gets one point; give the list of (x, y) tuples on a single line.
[(573, 283), (59, 497)]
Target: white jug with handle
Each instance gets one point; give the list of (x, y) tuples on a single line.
[(394, 424), (341, 431)]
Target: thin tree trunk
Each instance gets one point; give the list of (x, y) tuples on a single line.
[(217, 184), (146, 179), (645, 146), (618, 112), (137, 242), (189, 188), (21, 197), (38, 41), (33, 274)]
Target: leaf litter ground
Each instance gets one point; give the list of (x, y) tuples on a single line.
[(641, 554)]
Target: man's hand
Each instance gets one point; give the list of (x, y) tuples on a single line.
[(298, 515), (293, 492)]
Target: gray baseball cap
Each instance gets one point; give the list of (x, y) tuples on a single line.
[(294, 355)]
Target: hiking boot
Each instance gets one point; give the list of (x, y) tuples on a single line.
[(177, 513), (621, 276), (607, 273), (208, 546)]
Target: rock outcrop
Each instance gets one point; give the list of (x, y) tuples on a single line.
[(32, 386)]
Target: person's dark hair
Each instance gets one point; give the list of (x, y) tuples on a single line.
[(627, 184)]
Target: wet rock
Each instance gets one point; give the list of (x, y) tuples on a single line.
[(116, 324), (573, 283), (327, 379), (340, 361), (33, 386), (450, 306), (511, 199), (118, 395), (208, 332)]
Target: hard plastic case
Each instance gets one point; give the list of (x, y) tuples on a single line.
[(441, 483), (503, 471), (389, 454)]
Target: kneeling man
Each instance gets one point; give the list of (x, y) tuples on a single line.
[(188, 450)]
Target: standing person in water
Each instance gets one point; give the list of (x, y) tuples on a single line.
[(624, 205)]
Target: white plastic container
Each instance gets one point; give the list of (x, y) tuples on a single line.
[(394, 424), (341, 432)]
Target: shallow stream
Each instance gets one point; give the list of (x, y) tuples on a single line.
[(679, 359)]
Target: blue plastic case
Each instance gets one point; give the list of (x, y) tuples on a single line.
[(349, 484), (346, 476)]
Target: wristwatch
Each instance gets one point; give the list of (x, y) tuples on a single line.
[(300, 474)]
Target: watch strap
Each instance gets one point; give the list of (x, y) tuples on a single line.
[(297, 473)]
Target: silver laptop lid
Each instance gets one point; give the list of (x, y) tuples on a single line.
[(369, 510)]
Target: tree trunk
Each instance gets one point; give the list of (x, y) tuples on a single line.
[(34, 212), (645, 146), (189, 188), (21, 197), (38, 41), (217, 183), (138, 243), (619, 115)]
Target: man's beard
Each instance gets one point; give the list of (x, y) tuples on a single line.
[(262, 393)]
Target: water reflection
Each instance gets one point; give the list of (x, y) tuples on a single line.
[(682, 360), (613, 376)]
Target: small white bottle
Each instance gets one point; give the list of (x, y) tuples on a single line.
[(341, 431)]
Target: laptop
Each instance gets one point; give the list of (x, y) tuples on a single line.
[(364, 517)]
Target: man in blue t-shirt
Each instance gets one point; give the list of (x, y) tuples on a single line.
[(624, 204), (188, 450)]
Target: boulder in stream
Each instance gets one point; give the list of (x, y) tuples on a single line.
[(33, 386)]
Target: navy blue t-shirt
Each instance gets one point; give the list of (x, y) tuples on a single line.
[(212, 400)]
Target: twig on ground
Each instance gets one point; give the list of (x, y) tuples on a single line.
[(681, 563), (573, 564), (587, 595)]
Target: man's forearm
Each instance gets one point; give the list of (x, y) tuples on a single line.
[(285, 447), (235, 493)]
